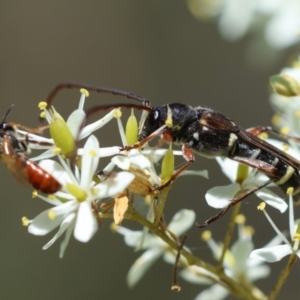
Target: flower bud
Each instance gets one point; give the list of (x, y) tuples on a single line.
[(61, 134), (285, 85), (131, 131), (167, 167)]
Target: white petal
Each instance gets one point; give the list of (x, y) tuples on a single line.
[(283, 29), (202, 173), (219, 196), (216, 292), (64, 225), (193, 274), (45, 155), (104, 152), (241, 250), (90, 160), (113, 185), (122, 162), (272, 199), (236, 19), (75, 120), (86, 223), (229, 167), (182, 221), (272, 254), (137, 239), (141, 266), (138, 160), (109, 151), (258, 272), (65, 242), (42, 224), (87, 130)]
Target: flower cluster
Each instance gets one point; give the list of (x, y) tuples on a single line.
[(129, 187), (276, 22)]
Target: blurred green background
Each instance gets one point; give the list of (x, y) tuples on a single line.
[(152, 48)]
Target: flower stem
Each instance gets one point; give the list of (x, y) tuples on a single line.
[(283, 276), (234, 287), (229, 232)]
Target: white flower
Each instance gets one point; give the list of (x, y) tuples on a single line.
[(78, 192), (154, 246), (73, 123), (288, 108), (220, 196), (237, 265), (276, 253), (276, 20)]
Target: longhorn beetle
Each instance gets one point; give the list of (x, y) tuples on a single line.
[(208, 133)]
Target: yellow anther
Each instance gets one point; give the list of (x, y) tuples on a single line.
[(85, 92), (94, 191), (42, 105), (25, 221), (248, 231), (297, 113), (206, 235), (56, 150), (43, 115), (34, 194), (290, 191), (240, 219), (261, 206), (296, 237), (117, 113), (93, 153), (296, 63), (51, 214), (51, 197), (263, 135), (285, 130), (276, 120), (114, 227), (285, 147), (148, 199)]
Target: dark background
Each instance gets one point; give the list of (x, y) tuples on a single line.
[(155, 49)]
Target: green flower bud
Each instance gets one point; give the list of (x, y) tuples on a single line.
[(61, 134), (167, 167), (131, 131), (285, 85)]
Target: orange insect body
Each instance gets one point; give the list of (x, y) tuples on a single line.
[(12, 152)]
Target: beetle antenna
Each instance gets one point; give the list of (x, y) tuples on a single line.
[(7, 113), (94, 88)]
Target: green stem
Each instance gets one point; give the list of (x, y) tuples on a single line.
[(283, 276), (229, 233), (236, 289)]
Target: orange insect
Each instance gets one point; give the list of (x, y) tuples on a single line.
[(12, 153)]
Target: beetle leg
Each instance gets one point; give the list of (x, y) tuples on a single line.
[(260, 165), (233, 202), (261, 129)]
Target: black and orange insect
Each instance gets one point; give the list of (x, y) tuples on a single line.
[(13, 151)]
